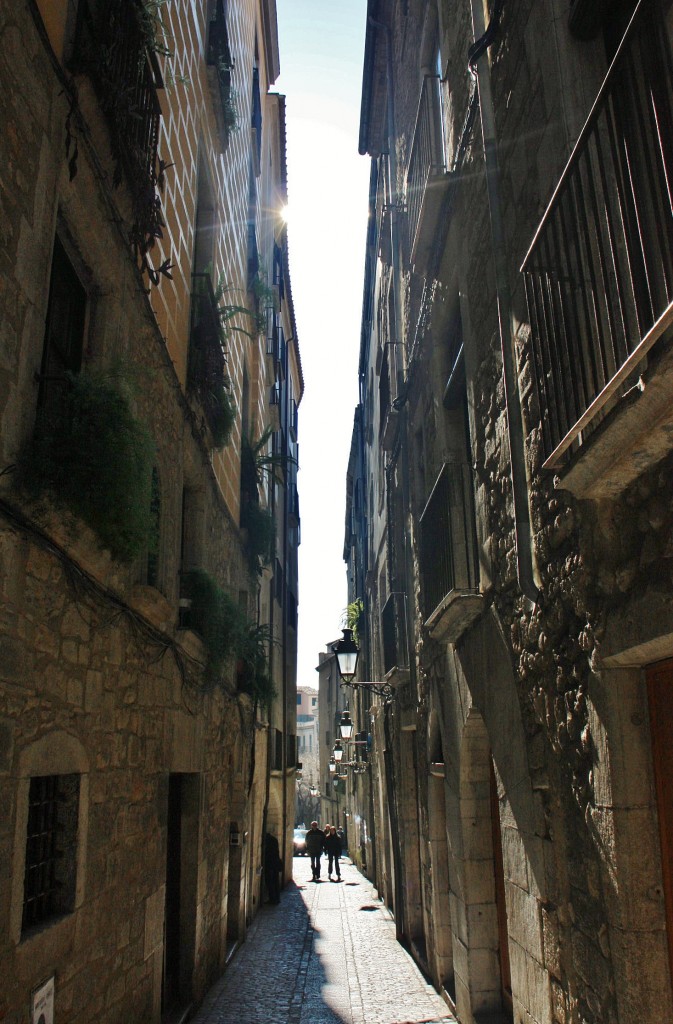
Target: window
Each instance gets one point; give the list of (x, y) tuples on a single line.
[(298, 699), (64, 334), (152, 569), (314, 701), (51, 849)]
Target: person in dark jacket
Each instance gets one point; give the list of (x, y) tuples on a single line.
[(333, 850), (273, 865), (315, 840)]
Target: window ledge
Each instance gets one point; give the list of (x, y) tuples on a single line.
[(390, 429), (454, 615), (397, 676)]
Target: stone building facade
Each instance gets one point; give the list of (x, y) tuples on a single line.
[(149, 384), (508, 525)]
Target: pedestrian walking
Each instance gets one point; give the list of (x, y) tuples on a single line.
[(333, 850), (272, 867), (315, 841)]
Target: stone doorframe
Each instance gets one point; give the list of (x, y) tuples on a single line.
[(624, 821), (476, 942), (438, 920)]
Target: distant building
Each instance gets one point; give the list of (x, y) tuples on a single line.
[(331, 702), (307, 725)]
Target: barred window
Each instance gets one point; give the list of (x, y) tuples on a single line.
[(51, 849)]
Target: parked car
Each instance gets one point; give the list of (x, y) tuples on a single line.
[(300, 842)]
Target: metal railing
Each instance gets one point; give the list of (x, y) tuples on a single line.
[(206, 371), (599, 273), (394, 632), (111, 48), (448, 540), (218, 55), (426, 157)]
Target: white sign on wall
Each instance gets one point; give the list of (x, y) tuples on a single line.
[(43, 1003)]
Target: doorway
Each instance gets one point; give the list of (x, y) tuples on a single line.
[(182, 821), (660, 699)]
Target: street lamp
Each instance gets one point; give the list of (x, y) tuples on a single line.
[(332, 764), (346, 726), (338, 751), (347, 652)]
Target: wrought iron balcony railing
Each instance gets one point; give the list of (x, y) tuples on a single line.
[(427, 167), (218, 57), (206, 371), (394, 633), (599, 273), (111, 47), (448, 539)]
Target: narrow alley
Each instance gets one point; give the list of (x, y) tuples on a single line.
[(326, 955)]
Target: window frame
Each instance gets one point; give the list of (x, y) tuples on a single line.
[(56, 753)]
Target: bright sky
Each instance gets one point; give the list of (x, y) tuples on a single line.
[(321, 55)]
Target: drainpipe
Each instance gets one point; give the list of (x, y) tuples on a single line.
[(400, 400), (479, 60)]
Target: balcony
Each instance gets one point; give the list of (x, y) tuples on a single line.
[(428, 180), (220, 66), (599, 278), (394, 636), (448, 558), (111, 47)]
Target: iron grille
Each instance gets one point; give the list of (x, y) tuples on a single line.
[(278, 751), (426, 157), (448, 538), (394, 632), (206, 374), (599, 273), (111, 47), (49, 877)]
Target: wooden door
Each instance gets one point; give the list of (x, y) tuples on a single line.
[(660, 698), (500, 905), (171, 973)]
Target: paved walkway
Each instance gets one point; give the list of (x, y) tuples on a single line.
[(326, 955)]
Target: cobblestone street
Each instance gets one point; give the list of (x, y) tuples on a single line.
[(326, 955)]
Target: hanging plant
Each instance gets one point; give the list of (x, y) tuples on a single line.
[(355, 617), (229, 635), (260, 546), (117, 46), (92, 457), (216, 617), (253, 675)]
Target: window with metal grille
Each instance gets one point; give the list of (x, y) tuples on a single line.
[(51, 849)]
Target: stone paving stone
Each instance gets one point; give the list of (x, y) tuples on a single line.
[(327, 954)]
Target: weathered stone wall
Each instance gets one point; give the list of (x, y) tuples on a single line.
[(95, 675), (73, 663), (560, 736)]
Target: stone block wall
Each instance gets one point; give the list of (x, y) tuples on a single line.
[(566, 733), (97, 679)]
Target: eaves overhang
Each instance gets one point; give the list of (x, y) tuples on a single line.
[(372, 136)]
